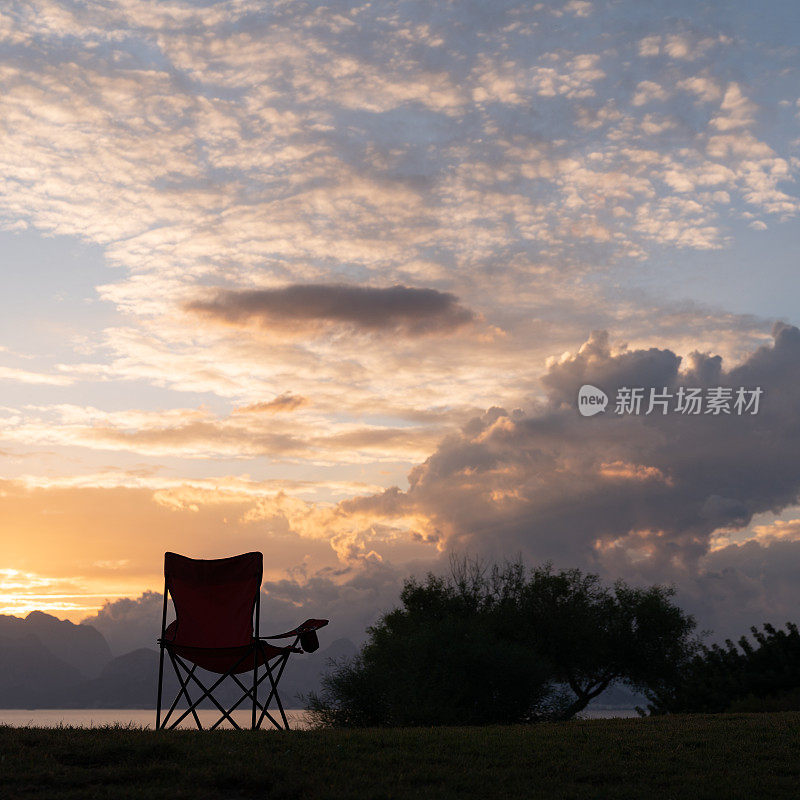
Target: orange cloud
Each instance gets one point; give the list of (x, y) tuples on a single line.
[(283, 402)]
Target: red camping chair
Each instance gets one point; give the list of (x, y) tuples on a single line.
[(214, 603)]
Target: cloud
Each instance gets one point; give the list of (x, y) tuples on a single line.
[(732, 589), (622, 492), (706, 89), (129, 623), (352, 600), (742, 585), (679, 46), (22, 592), (765, 534), (637, 497), (283, 402), (36, 378), (502, 155), (735, 111), (82, 559), (650, 46), (647, 92), (303, 146), (415, 312), (197, 433), (580, 8)]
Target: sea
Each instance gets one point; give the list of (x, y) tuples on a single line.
[(145, 717)]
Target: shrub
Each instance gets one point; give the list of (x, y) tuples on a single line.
[(504, 644)]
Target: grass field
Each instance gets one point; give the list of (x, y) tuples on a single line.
[(725, 756)]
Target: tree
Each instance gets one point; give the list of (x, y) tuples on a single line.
[(736, 677), (504, 644), (596, 636), (442, 658)]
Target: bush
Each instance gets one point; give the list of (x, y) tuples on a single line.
[(737, 678), (503, 645), (445, 658)]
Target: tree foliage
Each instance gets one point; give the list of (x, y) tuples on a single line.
[(504, 644), (743, 677)]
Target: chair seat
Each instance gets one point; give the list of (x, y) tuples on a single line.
[(224, 659)]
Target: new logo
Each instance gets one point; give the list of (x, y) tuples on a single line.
[(591, 400)]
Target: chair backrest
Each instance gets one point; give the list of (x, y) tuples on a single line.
[(214, 599)]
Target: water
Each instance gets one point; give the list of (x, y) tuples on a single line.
[(609, 713), (145, 717)]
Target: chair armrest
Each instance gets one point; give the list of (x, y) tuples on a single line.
[(304, 627), (306, 633)]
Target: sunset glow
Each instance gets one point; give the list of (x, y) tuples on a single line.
[(323, 281)]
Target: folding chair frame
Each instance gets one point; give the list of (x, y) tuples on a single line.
[(186, 674)]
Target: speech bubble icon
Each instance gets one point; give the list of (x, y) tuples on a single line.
[(591, 400)]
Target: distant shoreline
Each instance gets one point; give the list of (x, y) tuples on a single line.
[(98, 717)]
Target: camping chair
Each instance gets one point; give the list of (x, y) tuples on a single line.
[(214, 604)]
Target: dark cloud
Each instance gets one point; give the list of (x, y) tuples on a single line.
[(413, 311), (638, 497), (626, 495), (129, 623), (743, 585)]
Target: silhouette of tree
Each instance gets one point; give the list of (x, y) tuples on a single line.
[(596, 636), (502, 644), (733, 677)]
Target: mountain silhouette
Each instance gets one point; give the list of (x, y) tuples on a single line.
[(46, 662), (81, 646), (28, 671)]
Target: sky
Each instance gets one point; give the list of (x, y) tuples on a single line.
[(323, 280)]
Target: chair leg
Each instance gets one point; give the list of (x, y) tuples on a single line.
[(273, 673), (207, 692), (274, 693), (160, 686), (184, 690), (161, 653), (246, 693), (256, 645)]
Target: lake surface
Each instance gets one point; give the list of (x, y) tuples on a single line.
[(609, 713), (145, 717)]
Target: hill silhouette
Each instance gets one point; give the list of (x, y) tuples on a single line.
[(82, 647), (46, 662)]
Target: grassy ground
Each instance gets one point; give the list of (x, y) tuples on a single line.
[(725, 756)]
